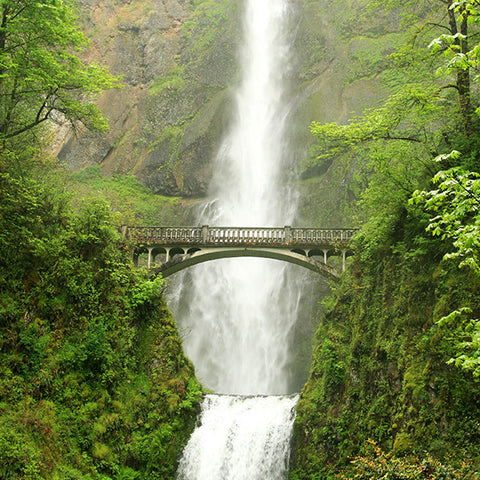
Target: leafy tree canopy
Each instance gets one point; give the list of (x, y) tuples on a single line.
[(402, 146), (41, 74)]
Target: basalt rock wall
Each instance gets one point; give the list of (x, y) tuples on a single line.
[(175, 68), (178, 63)]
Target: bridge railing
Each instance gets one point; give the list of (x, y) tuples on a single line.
[(265, 236), (241, 236), (320, 235)]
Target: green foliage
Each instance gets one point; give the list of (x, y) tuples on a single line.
[(425, 115), (132, 202), (396, 120), (377, 464), (455, 201), (93, 380), (94, 384), (41, 74), (454, 46), (380, 367), (467, 339), (382, 363), (455, 205)]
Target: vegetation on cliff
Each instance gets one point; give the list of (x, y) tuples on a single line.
[(132, 202), (93, 380), (396, 356), (381, 366)]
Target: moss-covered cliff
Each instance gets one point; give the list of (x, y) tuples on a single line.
[(380, 366), (93, 380)]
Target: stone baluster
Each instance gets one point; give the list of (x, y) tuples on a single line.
[(325, 257)]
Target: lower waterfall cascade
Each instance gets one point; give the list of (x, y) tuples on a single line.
[(240, 438)]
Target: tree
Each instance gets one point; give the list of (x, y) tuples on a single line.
[(426, 116), (455, 202), (41, 74), (456, 21), (422, 110)]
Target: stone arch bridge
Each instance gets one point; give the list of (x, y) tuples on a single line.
[(171, 249)]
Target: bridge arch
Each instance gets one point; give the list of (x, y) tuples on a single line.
[(187, 260)]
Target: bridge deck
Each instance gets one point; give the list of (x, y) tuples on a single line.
[(239, 236)]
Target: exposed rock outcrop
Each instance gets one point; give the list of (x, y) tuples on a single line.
[(177, 60), (166, 120)]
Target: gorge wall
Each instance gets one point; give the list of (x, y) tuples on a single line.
[(177, 60)]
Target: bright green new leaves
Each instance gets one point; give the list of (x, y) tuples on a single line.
[(461, 58), (397, 119), (41, 75), (456, 46), (467, 339), (455, 204)]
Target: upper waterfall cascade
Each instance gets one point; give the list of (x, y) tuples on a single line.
[(241, 313)]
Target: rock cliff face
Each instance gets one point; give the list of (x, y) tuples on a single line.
[(177, 60), (175, 67)]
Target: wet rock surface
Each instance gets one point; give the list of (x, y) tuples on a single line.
[(178, 68)]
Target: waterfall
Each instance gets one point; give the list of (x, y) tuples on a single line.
[(240, 439), (240, 314)]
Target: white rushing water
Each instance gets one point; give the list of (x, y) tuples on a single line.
[(240, 313), (240, 438)]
